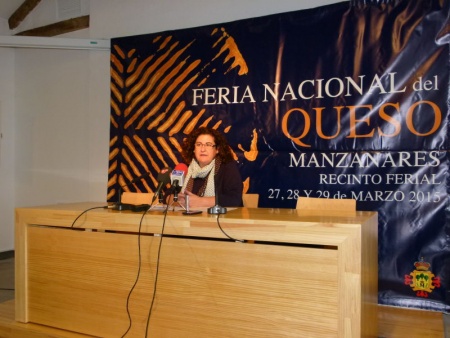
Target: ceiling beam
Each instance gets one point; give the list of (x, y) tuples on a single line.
[(59, 28), (21, 13)]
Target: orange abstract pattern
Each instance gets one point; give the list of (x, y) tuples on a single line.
[(149, 113)]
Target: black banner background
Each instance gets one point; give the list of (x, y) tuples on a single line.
[(340, 101)]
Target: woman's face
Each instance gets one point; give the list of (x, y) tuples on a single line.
[(205, 149)]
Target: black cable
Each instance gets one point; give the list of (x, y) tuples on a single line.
[(139, 263), (155, 285), (85, 211), (130, 321), (6, 289), (139, 272), (157, 272), (233, 239)]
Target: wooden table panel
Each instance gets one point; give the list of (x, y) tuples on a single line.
[(297, 273)]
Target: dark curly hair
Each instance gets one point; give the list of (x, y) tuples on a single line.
[(221, 142)]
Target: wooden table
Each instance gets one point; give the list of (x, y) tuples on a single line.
[(287, 273)]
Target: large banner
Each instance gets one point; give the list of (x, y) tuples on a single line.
[(349, 100)]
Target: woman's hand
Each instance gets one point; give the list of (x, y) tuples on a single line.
[(196, 201)]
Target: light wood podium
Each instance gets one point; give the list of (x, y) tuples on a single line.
[(292, 273)]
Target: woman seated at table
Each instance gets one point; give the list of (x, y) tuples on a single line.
[(212, 169)]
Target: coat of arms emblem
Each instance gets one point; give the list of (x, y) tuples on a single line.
[(421, 280)]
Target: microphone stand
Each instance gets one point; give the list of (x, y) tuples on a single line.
[(163, 179), (176, 190), (123, 206), (119, 205)]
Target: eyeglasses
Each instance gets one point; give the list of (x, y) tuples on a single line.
[(207, 145)]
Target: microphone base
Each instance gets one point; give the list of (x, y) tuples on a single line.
[(217, 210), (121, 206), (132, 207)]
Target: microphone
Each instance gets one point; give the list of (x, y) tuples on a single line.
[(177, 179), (163, 179), (134, 180), (122, 206), (217, 209)]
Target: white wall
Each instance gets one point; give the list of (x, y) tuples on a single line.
[(54, 104), (7, 131), (62, 121)]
